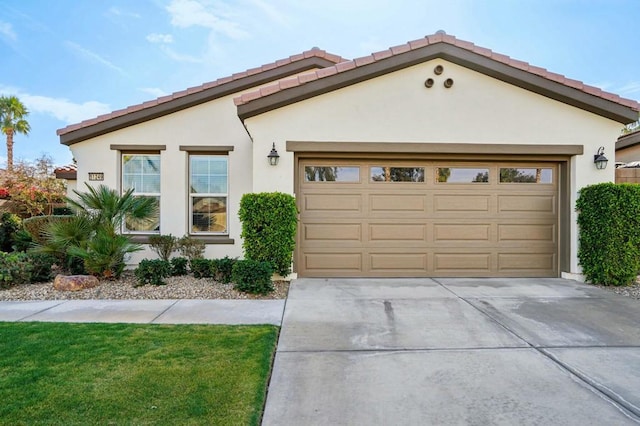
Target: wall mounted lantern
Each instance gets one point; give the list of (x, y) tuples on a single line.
[(600, 160), (273, 156)]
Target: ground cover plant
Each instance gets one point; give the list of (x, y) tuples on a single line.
[(60, 373)]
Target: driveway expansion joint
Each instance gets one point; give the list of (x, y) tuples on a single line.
[(164, 311)]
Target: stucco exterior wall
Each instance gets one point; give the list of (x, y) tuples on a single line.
[(629, 154), (398, 107), (211, 124)]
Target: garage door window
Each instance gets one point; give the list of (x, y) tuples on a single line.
[(461, 175), (331, 174), (517, 175), (397, 174)]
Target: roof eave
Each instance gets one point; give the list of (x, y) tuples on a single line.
[(454, 54), (628, 140), (193, 99)]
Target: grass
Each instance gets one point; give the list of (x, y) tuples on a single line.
[(59, 373)]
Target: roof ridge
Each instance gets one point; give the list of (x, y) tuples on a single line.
[(439, 37), (311, 53)]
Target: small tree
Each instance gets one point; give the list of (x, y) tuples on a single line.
[(13, 120)]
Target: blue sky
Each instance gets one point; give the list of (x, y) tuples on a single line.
[(70, 60)]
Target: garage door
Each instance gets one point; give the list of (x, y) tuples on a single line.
[(373, 218)]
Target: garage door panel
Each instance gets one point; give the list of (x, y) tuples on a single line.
[(467, 262), (527, 203), (461, 203), (332, 231), (527, 232), (397, 232), (328, 202), (408, 261), (318, 262), (397, 203), (461, 232), (513, 262)]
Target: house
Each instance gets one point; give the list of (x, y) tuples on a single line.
[(628, 147), (433, 158)]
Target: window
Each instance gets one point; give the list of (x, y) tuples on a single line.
[(331, 174), (397, 174), (141, 172), (461, 175), (208, 193), (513, 175)]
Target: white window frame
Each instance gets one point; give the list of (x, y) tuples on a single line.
[(193, 195), (156, 195)]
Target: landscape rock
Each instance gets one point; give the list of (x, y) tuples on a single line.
[(74, 282)]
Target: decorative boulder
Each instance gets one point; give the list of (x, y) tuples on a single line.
[(74, 282)]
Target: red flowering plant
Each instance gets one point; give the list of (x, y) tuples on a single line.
[(4, 193), (34, 186)]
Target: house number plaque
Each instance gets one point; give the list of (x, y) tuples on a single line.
[(96, 176)]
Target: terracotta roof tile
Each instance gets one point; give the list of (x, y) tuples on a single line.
[(314, 52), (288, 82), (445, 38)]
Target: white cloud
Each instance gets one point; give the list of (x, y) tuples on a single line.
[(94, 57), (160, 38), (272, 13), (193, 13), (60, 108), (7, 30), (63, 109), (153, 91), (180, 57), (119, 12)]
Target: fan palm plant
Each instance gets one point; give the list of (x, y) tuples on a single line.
[(13, 115), (93, 235)]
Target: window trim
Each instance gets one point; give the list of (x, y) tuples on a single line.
[(212, 237), (157, 195)]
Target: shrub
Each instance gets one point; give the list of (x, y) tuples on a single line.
[(41, 264), (104, 254), (201, 268), (163, 245), (252, 276), (269, 222), (609, 237), (222, 269), (179, 266), (15, 268), (37, 226), (62, 235), (62, 211), (9, 225), (191, 248), (22, 240), (153, 271)]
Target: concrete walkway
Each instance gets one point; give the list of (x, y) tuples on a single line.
[(146, 311), (455, 351)]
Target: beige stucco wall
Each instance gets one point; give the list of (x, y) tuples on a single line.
[(398, 108), (211, 124), (629, 154)]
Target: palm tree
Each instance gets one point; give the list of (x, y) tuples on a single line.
[(12, 121)]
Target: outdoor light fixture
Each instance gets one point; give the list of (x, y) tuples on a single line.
[(274, 157), (600, 160)]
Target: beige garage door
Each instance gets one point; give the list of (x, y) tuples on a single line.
[(396, 219)]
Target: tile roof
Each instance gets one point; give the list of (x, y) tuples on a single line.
[(312, 53), (69, 171), (430, 40)]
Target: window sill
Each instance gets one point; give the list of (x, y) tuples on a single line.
[(213, 239)]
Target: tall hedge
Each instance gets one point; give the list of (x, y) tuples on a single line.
[(609, 222), (269, 223)]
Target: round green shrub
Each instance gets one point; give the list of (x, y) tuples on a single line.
[(153, 271), (252, 276)]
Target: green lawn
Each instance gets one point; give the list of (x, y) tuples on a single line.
[(59, 373)]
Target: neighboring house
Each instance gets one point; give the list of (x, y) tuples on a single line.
[(70, 174), (628, 148), (433, 158)]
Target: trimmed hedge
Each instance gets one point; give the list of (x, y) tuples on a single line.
[(153, 271), (609, 223), (269, 223), (252, 276)]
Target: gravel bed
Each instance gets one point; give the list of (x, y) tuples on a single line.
[(632, 291), (184, 287)]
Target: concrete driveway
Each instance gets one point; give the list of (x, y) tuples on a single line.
[(455, 351)]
